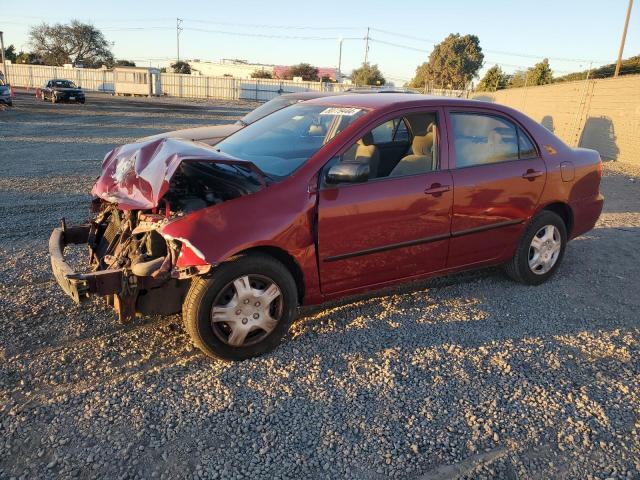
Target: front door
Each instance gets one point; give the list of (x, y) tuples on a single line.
[(498, 177), (393, 226)]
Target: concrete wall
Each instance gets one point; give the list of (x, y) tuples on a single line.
[(601, 114)]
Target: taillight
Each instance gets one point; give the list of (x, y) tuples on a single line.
[(600, 167)]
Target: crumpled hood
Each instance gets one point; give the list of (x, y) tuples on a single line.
[(136, 176), (210, 134)]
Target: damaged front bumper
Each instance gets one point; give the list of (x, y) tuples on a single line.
[(79, 286)]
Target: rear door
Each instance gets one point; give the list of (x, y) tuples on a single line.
[(388, 228), (498, 176)]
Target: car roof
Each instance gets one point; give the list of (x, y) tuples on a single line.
[(397, 100), (360, 91), (309, 95)]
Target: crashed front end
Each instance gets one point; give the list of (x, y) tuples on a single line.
[(143, 188)]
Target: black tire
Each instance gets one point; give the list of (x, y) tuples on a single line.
[(518, 268), (82, 102), (198, 304)]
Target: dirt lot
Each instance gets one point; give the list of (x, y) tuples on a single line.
[(469, 376)]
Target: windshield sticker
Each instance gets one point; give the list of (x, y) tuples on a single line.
[(340, 111)]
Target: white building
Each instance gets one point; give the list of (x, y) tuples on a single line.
[(227, 68)]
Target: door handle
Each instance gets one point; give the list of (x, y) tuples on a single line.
[(532, 174), (437, 189)]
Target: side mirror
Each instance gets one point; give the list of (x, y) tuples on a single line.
[(348, 173)]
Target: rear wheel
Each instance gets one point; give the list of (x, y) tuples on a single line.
[(540, 250), (243, 309)]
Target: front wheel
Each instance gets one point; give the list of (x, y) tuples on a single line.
[(540, 250), (243, 309)]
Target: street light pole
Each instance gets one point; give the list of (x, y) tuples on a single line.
[(622, 40), (4, 65)]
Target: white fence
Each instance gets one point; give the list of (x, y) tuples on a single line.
[(34, 76), (173, 84), (185, 86)]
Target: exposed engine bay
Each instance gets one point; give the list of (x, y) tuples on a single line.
[(143, 188), (130, 241)]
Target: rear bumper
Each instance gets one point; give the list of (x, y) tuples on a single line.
[(79, 286), (586, 214)]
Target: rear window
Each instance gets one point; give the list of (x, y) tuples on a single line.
[(268, 108)]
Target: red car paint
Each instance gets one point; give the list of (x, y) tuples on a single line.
[(360, 237)]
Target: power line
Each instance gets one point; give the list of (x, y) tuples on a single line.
[(264, 25), (269, 35), (501, 52)]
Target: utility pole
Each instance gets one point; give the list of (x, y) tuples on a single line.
[(178, 30), (366, 47), (4, 65), (339, 75), (624, 36)]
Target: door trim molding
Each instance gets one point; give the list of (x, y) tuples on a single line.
[(484, 228), (420, 241), (384, 248)]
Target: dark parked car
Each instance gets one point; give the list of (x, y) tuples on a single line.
[(212, 134), (61, 91), (324, 199), (5, 93)]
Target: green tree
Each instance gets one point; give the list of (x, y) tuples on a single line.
[(10, 53), (181, 67), (453, 63), (28, 58), (518, 79), (124, 63), (494, 79), (367, 74), (308, 72), (540, 73), (629, 66), (69, 43), (260, 73)]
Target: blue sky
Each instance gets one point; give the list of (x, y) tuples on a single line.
[(513, 34)]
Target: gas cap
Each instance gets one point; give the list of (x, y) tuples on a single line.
[(567, 171)]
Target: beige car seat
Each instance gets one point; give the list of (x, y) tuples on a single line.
[(421, 159), (364, 151)]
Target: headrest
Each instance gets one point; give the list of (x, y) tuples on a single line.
[(422, 145), (367, 139)]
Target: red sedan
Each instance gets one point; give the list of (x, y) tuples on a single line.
[(323, 199)]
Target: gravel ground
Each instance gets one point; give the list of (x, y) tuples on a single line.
[(472, 376)]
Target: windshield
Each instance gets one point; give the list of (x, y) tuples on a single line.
[(283, 141), (63, 84), (268, 108)]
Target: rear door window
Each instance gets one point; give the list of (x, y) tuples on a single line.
[(481, 139), (527, 150)]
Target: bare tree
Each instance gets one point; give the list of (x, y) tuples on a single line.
[(75, 42)]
